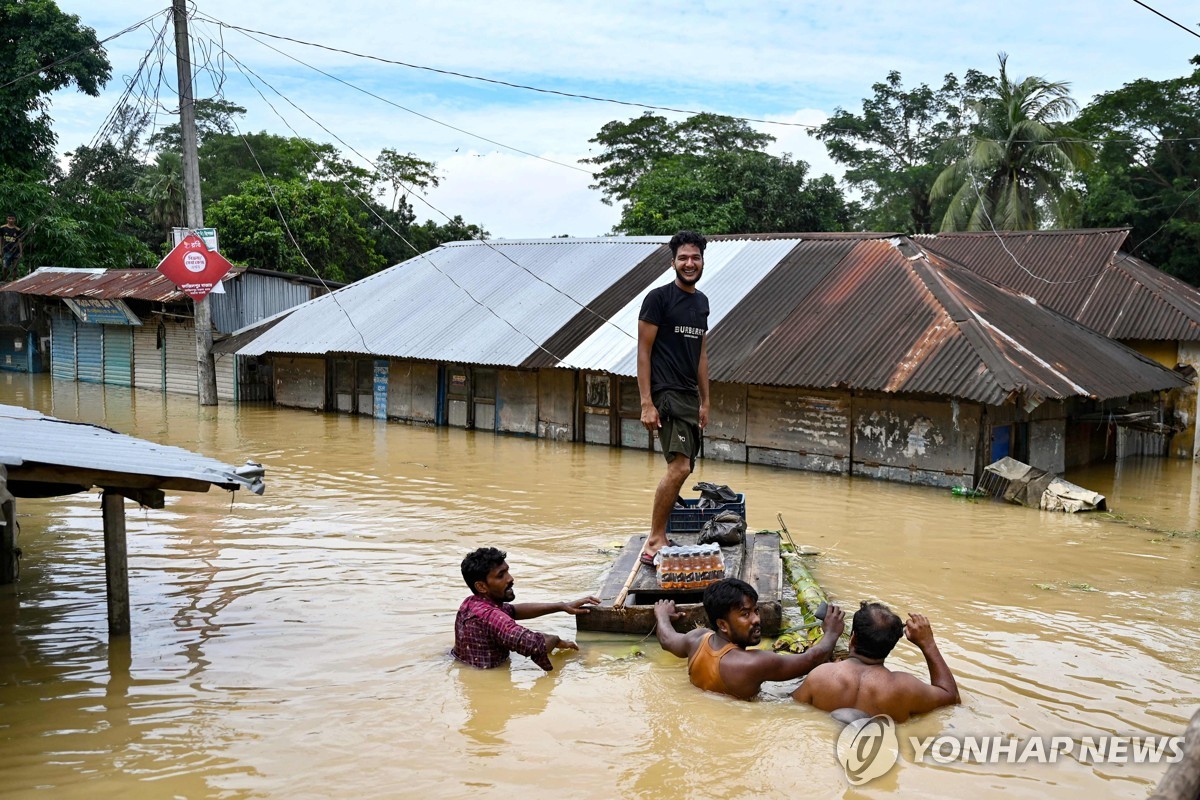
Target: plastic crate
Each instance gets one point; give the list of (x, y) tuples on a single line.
[(692, 519)]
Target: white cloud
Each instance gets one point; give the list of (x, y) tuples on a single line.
[(788, 61)]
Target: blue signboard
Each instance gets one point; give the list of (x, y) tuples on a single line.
[(381, 387), (101, 311)]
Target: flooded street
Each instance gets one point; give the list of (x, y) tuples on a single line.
[(296, 645)]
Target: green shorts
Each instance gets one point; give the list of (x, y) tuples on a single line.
[(679, 414)]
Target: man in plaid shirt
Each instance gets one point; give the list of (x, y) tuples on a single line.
[(485, 630)]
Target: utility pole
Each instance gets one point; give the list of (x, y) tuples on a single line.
[(206, 374)]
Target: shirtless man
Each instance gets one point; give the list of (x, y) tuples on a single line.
[(718, 660), (862, 681)]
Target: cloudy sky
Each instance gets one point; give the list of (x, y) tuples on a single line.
[(783, 61)]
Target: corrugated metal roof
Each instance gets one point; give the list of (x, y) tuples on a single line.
[(31, 438), (850, 311), (881, 320), (1081, 274), (492, 303), (112, 284), (732, 267)]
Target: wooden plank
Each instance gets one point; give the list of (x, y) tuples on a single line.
[(8, 542), (45, 473), (637, 615), (116, 562)]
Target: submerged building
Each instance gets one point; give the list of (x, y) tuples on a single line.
[(860, 354)]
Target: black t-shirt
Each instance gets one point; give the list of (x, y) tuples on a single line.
[(9, 237), (682, 320)]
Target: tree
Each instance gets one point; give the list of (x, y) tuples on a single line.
[(162, 188), (213, 116), (732, 192), (1018, 161), (43, 50), (72, 224), (892, 149), (633, 148), (1147, 170), (404, 174), (329, 228)]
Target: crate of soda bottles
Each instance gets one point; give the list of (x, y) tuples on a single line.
[(691, 516), (690, 567)]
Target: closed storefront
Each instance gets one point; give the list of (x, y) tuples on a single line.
[(227, 380), (118, 355), (148, 356), (180, 346), (62, 346), (89, 352)]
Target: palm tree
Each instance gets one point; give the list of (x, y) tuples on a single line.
[(1015, 165), (163, 188)]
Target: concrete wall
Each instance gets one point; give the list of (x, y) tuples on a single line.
[(1180, 402), (798, 429), (725, 436), (412, 391), (556, 405), (517, 402), (1187, 406), (300, 382), (915, 441)]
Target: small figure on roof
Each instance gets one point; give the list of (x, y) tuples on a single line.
[(12, 247), (719, 659), (672, 376), (862, 682), (485, 630)]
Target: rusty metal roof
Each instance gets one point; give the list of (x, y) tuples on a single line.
[(110, 284), (1082, 274), (846, 311), (887, 318)]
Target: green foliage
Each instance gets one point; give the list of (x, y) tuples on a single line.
[(328, 229), (212, 117), (73, 224), (732, 192), (35, 40), (1016, 171), (634, 148), (1147, 170), (708, 173), (892, 150)]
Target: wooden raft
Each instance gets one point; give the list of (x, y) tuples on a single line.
[(757, 561)]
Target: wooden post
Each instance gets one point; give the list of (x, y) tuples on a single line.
[(8, 542), (1182, 779), (116, 562)]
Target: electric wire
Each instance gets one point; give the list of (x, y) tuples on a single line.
[(1168, 19), (414, 112), (81, 51), (419, 254), (542, 90), (242, 67)]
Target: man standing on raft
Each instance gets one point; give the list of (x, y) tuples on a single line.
[(672, 375)]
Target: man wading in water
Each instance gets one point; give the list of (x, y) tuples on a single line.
[(718, 659), (672, 376), (862, 682), (485, 630)]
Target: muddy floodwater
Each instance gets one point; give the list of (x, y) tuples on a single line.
[(295, 645)]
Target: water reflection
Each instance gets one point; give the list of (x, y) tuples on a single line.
[(295, 645)]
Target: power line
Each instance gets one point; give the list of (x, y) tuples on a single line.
[(244, 69), (1168, 19), (81, 51), (403, 108), (425, 256), (560, 93)]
